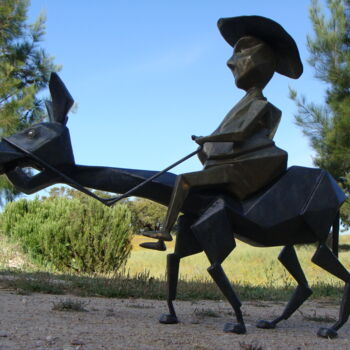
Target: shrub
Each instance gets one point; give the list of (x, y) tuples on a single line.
[(71, 234)]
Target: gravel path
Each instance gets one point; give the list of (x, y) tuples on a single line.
[(29, 323)]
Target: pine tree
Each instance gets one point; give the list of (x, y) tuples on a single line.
[(24, 71), (328, 125)]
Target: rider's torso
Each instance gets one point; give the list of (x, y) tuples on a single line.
[(257, 118)]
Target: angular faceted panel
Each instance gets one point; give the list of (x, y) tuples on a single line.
[(284, 200), (299, 208), (323, 205)]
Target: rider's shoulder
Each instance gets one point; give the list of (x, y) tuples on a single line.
[(263, 106), (274, 111)]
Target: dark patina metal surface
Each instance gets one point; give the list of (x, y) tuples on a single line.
[(244, 191)]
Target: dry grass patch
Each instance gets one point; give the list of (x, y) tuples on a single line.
[(69, 305)]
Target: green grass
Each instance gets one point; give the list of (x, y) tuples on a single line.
[(245, 265), (144, 286), (255, 273)]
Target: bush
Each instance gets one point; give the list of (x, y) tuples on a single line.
[(71, 234)]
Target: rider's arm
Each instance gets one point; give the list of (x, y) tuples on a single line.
[(227, 137), (252, 122)]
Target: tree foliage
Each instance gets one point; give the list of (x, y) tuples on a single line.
[(24, 67), (327, 125), (146, 215), (24, 71)]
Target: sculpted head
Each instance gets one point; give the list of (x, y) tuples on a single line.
[(253, 63), (261, 47)]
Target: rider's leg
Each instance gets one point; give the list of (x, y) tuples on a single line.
[(211, 178), (182, 187), (235, 179)]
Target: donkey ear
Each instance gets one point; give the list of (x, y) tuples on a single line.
[(49, 109), (62, 101)]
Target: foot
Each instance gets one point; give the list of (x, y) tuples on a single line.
[(154, 245), (165, 236), (327, 333), (266, 324), (168, 319), (238, 328)]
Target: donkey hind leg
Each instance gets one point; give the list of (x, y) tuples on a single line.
[(220, 278), (173, 262), (290, 261), (328, 261)]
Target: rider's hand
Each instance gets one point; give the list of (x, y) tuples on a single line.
[(197, 139)]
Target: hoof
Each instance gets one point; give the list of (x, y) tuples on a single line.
[(327, 333), (237, 328), (168, 319), (154, 245), (266, 324)]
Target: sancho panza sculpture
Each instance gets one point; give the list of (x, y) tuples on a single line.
[(245, 190)]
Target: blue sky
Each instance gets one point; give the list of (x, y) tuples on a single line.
[(146, 75)]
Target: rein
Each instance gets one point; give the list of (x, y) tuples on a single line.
[(106, 201), (68, 179)]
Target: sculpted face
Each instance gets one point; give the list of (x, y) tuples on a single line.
[(253, 63)]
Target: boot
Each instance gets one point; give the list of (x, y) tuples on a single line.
[(154, 245)]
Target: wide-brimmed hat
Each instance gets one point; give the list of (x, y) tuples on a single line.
[(288, 58)]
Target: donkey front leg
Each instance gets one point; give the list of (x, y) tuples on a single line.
[(173, 262), (186, 244)]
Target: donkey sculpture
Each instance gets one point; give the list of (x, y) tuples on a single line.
[(301, 206)]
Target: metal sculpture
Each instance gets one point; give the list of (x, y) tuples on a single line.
[(245, 190)]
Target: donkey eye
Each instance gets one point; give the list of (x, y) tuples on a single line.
[(32, 133)]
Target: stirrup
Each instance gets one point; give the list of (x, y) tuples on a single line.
[(154, 245)]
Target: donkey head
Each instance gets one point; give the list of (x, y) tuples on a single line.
[(49, 141)]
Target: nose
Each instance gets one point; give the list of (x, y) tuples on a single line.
[(8, 156), (231, 63)]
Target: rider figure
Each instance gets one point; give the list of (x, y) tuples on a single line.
[(240, 157)]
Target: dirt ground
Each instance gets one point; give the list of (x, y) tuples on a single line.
[(28, 322)]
